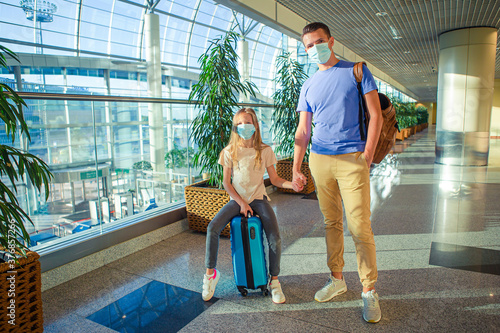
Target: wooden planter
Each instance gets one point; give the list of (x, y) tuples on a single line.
[(25, 289), (403, 134), (284, 169), (202, 204)]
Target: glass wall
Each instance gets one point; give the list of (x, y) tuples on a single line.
[(98, 152)]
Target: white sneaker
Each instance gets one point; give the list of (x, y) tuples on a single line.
[(371, 309), (209, 284), (276, 292), (332, 288)]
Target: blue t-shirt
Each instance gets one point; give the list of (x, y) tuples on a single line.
[(332, 97)]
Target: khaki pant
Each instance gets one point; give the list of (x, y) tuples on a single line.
[(346, 178)]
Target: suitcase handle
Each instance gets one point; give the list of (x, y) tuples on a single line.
[(243, 215)]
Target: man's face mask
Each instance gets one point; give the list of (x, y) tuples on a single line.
[(245, 131), (319, 53)]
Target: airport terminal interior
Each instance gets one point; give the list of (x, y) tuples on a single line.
[(108, 91), (436, 232)]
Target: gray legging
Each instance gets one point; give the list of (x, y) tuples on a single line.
[(269, 222)]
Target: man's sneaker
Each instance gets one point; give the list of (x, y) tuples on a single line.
[(371, 309), (331, 289), (209, 284), (276, 292)]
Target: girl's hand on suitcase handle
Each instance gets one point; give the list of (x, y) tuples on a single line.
[(245, 209)]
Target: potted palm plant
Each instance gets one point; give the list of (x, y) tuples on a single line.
[(400, 135), (290, 76), (216, 96), (422, 117), (404, 117), (20, 275)]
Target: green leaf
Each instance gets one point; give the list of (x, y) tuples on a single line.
[(216, 96), (16, 165), (289, 79)]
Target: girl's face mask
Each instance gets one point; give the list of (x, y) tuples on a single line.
[(319, 53), (245, 131)]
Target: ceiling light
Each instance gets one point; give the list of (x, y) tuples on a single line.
[(381, 14), (395, 33)]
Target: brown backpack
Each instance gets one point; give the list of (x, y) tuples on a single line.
[(389, 127)]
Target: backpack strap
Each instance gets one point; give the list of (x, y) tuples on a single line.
[(358, 71), (358, 75)]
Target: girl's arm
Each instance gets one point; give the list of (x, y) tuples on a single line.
[(228, 186), (280, 182)]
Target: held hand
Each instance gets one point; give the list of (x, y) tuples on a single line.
[(297, 187), (299, 178)]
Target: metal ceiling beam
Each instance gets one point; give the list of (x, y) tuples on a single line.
[(152, 5)]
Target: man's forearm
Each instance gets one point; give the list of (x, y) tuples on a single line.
[(374, 129), (301, 142), (376, 122), (302, 136)]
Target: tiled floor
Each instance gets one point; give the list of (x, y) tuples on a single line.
[(437, 231)]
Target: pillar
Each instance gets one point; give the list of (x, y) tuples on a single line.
[(292, 46), (17, 76), (243, 65), (465, 95), (153, 60)]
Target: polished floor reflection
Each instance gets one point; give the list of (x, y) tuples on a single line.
[(465, 257), (437, 232), (155, 307)]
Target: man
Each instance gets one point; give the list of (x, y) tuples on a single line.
[(339, 161)]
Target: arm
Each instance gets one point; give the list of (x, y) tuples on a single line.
[(228, 186), (302, 136), (280, 182), (376, 121)]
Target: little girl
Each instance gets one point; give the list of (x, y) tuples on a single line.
[(245, 159)]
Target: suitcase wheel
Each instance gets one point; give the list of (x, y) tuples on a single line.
[(265, 291), (243, 291)]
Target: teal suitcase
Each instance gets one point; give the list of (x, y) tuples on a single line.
[(249, 261)]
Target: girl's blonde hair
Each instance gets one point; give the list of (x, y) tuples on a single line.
[(235, 140)]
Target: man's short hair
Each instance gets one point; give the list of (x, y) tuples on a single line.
[(311, 27)]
